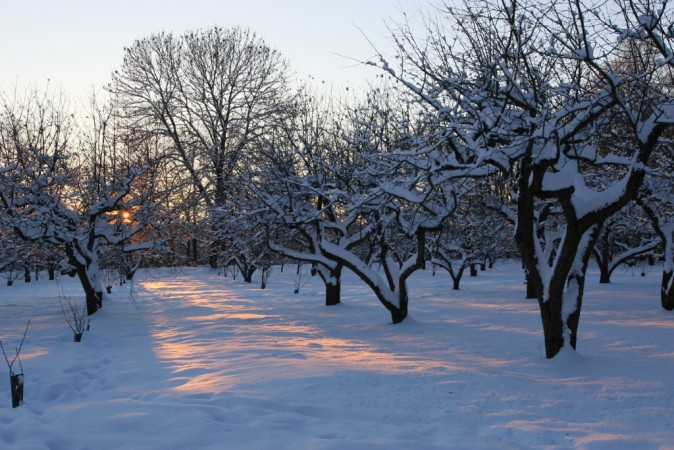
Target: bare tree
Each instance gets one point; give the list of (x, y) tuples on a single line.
[(359, 202), (58, 190), (210, 95), (624, 237), (524, 88)]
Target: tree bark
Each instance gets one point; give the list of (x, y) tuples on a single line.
[(332, 278), (333, 293), (531, 287), (551, 317), (667, 291), (92, 297), (398, 314)]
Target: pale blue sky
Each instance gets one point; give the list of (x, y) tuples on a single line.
[(78, 43)]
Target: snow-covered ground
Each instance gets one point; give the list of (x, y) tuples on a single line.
[(198, 361)]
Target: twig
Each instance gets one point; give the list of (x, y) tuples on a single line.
[(18, 351), (76, 322)]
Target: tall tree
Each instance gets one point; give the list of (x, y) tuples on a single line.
[(210, 95)]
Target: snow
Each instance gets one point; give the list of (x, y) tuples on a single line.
[(195, 360)]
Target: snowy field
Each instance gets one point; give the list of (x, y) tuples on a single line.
[(198, 361)]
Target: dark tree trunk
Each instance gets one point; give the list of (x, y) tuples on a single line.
[(602, 257), (51, 271), (332, 278), (26, 274), (195, 251), (667, 291), (455, 283), (90, 293), (94, 299), (531, 288), (571, 284), (400, 313), (333, 293), (248, 274), (551, 317)]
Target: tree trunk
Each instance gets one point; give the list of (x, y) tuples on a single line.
[(667, 291), (560, 312), (603, 259), (94, 299), (332, 278), (91, 296), (531, 287), (248, 274), (333, 293), (551, 317), (557, 328), (400, 313), (51, 271), (195, 251)]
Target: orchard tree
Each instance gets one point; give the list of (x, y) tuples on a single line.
[(360, 203), (526, 88), (59, 191), (657, 200), (472, 235), (289, 169), (624, 237)]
